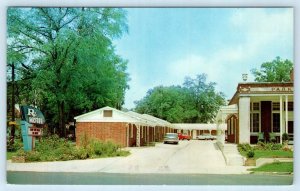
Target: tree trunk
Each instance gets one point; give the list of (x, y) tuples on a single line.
[(61, 119), (12, 133)]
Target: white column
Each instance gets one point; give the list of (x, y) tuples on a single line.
[(127, 136), (281, 119), (194, 134), (286, 113), (244, 120), (138, 136)]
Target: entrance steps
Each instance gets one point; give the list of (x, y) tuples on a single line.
[(231, 155)]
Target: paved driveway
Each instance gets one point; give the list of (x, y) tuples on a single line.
[(191, 157)]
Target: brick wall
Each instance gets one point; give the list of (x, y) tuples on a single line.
[(104, 131)]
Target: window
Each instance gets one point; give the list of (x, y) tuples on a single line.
[(276, 122), (255, 123), (290, 106), (276, 106), (107, 113), (255, 117), (256, 106), (290, 127)]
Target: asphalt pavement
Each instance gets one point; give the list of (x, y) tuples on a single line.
[(96, 178)]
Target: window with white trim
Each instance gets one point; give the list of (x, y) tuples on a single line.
[(276, 122), (254, 117), (276, 117)]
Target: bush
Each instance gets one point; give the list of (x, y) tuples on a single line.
[(285, 137), (103, 149), (13, 147), (244, 147), (54, 148), (268, 146), (250, 154)]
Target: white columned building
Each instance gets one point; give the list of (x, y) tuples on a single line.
[(244, 120), (265, 111)]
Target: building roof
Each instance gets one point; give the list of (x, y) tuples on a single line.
[(198, 126), (224, 111), (260, 88), (117, 116), (143, 118), (160, 122)]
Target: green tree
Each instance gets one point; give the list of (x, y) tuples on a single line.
[(277, 70), (70, 57), (195, 102), (204, 97)]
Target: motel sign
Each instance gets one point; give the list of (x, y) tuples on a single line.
[(31, 125)]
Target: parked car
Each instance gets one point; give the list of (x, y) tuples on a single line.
[(183, 136), (171, 138), (206, 136)]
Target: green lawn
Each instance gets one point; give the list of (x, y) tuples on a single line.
[(270, 154), (275, 167), (273, 154)]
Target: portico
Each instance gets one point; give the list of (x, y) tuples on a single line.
[(265, 111)]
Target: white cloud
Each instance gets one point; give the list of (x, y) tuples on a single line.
[(262, 28), (265, 35), (262, 32)]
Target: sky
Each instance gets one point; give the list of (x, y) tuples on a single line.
[(164, 45)]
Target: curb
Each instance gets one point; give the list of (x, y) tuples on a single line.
[(272, 173)]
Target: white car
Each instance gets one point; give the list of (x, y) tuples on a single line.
[(206, 136)]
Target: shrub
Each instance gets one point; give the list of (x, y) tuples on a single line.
[(250, 154), (13, 147), (277, 146), (54, 148), (103, 149), (244, 147), (268, 146), (285, 137)]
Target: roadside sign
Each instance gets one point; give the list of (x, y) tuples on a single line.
[(35, 131)]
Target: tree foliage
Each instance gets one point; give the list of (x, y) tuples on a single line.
[(68, 56), (196, 101), (277, 70)]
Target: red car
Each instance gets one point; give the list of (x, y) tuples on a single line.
[(183, 136)]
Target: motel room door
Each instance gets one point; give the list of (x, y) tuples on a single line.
[(266, 117)]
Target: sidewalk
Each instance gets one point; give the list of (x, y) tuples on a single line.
[(189, 157)]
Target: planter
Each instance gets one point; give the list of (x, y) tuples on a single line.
[(18, 159), (250, 162)]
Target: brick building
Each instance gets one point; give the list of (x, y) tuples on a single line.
[(124, 128)]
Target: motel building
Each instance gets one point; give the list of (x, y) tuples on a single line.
[(258, 112), (195, 129), (127, 129)]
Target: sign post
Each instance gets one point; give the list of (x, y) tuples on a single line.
[(31, 126)]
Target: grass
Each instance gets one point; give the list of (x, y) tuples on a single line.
[(270, 154), (286, 167), (9, 155), (273, 154)]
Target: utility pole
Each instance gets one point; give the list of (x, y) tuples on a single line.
[(12, 133)]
